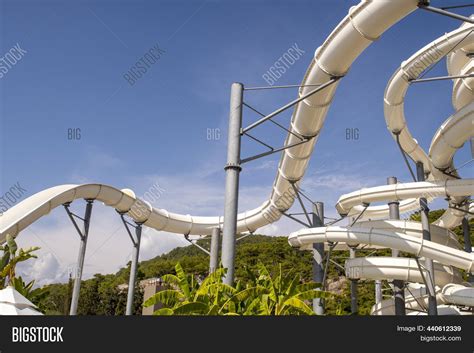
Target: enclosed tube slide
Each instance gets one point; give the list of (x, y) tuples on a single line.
[(452, 299), (365, 23), (443, 181), (389, 239), (398, 268)]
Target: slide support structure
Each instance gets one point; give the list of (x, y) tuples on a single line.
[(134, 265), (432, 305), (84, 234), (318, 256), (466, 230), (354, 306), (214, 253), (398, 285), (424, 5), (378, 291), (232, 170)]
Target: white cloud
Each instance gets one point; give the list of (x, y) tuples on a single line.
[(109, 247)]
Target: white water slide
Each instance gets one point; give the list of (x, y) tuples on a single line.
[(364, 24)]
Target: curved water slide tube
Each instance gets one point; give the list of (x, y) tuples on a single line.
[(456, 130), (452, 134), (365, 23), (416, 301), (403, 235)]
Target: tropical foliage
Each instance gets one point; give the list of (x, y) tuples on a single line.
[(262, 295), (11, 257)]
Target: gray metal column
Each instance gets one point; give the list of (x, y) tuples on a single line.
[(214, 253), (133, 270), (398, 285), (432, 305), (354, 306), (80, 259), (318, 256), (378, 291), (232, 170), (466, 230)]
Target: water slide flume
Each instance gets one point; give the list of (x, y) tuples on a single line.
[(365, 23), (401, 268), (416, 301), (389, 239), (442, 182)]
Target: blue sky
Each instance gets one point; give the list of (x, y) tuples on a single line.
[(156, 130)]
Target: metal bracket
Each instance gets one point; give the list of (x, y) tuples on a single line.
[(303, 139), (273, 121), (127, 224), (421, 304), (290, 216), (300, 194), (244, 236), (397, 134), (264, 154), (440, 78), (275, 87), (460, 209), (290, 104), (295, 189), (425, 5), (186, 236), (366, 205), (72, 215), (430, 287), (338, 265)]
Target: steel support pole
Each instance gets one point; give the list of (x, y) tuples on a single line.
[(133, 270), (432, 305), (378, 291), (466, 230), (214, 255), (354, 307), (80, 259), (318, 256), (232, 170), (398, 285)]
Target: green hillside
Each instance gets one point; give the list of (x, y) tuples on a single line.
[(101, 295)]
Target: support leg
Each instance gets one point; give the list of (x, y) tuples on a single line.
[(354, 306), (214, 256), (232, 169), (398, 285), (318, 256), (80, 258), (467, 242), (432, 305), (133, 270), (378, 291)]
